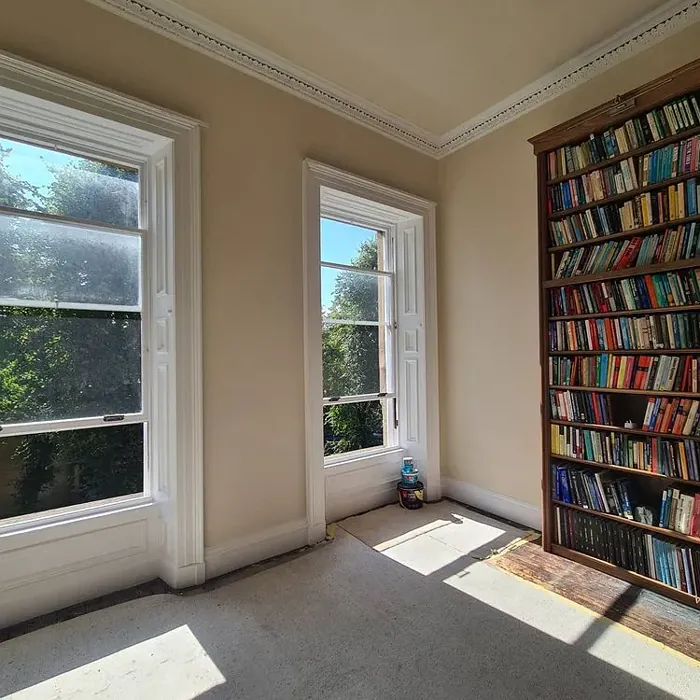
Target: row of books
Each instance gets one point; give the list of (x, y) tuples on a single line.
[(659, 291), (660, 123), (631, 548), (679, 243), (592, 187), (647, 209), (680, 512), (594, 489), (670, 161), (654, 331), (580, 406), (640, 372), (679, 459), (673, 416), (605, 492)]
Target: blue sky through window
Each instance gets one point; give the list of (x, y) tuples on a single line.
[(340, 243), (32, 164)]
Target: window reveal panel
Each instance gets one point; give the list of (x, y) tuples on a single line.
[(58, 364), (54, 470)]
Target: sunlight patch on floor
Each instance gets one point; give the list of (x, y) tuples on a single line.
[(173, 665), (431, 547)]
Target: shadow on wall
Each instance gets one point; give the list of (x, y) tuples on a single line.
[(339, 621)]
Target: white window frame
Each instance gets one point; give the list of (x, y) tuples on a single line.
[(342, 213), (329, 192), (42, 106)]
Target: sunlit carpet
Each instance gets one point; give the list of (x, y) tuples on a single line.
[(403, 607)]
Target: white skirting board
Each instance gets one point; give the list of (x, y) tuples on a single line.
[(492, 502), (251, 549)]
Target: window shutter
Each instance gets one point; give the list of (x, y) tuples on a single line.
[(411, 361)]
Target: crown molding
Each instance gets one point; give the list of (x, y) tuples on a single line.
[(194, 31), (191, 29), (667, 20)]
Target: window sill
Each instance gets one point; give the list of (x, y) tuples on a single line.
[(75, 514), (364, 460)]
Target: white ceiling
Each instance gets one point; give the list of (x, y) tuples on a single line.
[(434, 63)]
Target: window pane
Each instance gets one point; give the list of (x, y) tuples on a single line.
[(354, 426), (68, 364), (45, 261), (351, 296), (54, 470), (44, 180), (349, 245), (351, 360)]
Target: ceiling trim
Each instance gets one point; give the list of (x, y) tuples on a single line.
[(664, 22), (191, 29)]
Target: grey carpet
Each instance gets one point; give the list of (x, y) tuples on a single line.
[(345, 621)]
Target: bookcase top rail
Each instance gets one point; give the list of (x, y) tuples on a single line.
[(672, 534), (618, 110), (626, 272)]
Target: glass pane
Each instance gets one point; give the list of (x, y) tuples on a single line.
[(351, 360), (354, 426), (54, 470), (44, 180), (68, 364), (45, 261), (345, 244), (351, 296)]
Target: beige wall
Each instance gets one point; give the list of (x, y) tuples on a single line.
[(252, 266), (488, 288)]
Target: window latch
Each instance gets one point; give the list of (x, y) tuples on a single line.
[(333, 398), (115, 418)]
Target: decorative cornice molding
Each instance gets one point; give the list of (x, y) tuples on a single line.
[(175, 22), (664, 22)]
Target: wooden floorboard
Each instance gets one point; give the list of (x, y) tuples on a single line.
[(666, 621)]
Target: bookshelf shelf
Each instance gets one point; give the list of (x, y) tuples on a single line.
[(631, 194), (626, 272), (634, 523), (670, 103), (631, 233), (628, 470), (633, 312), (638, 392), (623, 156), (626, 575), (625, 431), (668, 351)]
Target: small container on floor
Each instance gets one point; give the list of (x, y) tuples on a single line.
[(410, 495)]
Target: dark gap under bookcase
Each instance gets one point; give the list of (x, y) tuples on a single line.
[(619, 264)]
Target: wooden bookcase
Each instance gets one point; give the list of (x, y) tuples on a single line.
[(626, 402)]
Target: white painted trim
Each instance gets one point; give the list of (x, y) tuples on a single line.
[(492, 502), (252, 549), (194, 31), (60, 563), (316, 178), (135, 131)]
